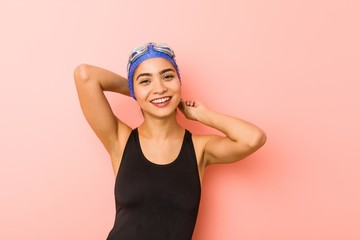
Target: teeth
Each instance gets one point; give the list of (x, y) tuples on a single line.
[(160, 100)]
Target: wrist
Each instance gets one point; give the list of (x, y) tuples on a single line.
[(203, 116)]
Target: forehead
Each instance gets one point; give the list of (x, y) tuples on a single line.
[(153, 65)]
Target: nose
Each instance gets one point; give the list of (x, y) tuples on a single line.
[(159, 87)]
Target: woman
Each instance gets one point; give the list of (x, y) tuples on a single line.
[(158, 165)]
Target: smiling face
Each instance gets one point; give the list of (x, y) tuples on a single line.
[(157, 87)]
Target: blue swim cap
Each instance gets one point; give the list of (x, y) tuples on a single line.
[(148, 51)]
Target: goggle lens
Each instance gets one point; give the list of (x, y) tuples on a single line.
[(139, 51)]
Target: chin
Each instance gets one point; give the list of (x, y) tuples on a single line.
[(162, 112)]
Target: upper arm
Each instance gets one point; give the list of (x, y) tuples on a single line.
[(224, 150), (97, 110)]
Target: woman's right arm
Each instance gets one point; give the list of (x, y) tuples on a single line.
[(91, 82)]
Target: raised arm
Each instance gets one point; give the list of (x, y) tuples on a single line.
[(241, 137), (91, 82)]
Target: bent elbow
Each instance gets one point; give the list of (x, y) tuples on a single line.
[(263, 139), (259, 140), (81, 73)]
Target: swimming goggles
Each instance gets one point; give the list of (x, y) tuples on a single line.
[(139, 51)]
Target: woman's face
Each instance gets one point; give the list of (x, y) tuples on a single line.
[(157, 87)]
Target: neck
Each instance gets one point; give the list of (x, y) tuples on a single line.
[(160, 128)]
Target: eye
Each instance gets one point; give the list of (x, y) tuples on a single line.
[(168, 77), (144, 82)]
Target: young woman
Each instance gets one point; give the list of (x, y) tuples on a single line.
[(158, 165)]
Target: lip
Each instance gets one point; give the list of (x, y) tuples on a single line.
[(157, 101)]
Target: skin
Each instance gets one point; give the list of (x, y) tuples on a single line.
[(156, 79)]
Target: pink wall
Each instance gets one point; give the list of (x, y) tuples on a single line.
[(291, 67)]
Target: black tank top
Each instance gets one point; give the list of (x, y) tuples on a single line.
[(156, 202)]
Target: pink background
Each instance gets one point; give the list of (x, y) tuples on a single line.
[(290, 67)]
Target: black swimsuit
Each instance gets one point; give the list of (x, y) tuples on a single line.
[(156, 202)]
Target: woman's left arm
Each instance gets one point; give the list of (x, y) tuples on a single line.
[(241, 137)]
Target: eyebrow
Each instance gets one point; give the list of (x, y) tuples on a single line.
[(166, 70), (143, 74), (149, 74)]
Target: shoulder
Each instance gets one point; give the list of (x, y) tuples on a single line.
[(200, 142)]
